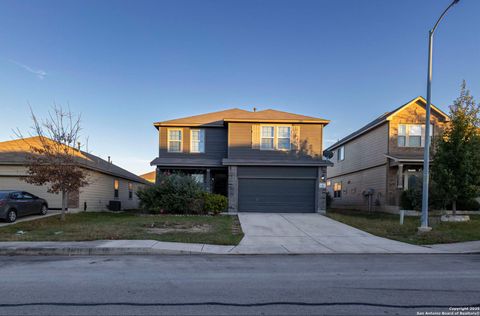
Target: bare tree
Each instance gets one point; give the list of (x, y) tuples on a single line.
[(55, 157)]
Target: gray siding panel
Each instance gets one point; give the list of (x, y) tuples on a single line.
[(240, 143), (216, 146)]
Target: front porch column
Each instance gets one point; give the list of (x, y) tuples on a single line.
[(208, 180), (232, 189), (400, 176), (321, 191)]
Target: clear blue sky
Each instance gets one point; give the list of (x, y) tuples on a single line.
[(126, 64)]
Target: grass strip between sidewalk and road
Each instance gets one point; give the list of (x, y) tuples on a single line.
[(388, 226), (85, 226)]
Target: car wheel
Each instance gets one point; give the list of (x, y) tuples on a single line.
[(11, 216), (44, 210)]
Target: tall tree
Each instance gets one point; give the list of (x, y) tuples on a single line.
[(456, 167), (55, 157)]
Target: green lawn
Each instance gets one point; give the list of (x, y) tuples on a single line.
[(388, 226), (219, 230)]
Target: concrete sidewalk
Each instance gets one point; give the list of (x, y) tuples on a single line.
[(264, 234), (152, 247)]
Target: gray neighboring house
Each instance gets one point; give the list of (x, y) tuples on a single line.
[(375, 164), (108, 182), (264, 161)]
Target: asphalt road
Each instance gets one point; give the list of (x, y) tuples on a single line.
[(252, 285)]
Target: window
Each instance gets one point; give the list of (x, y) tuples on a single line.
[(283, 137), (198, 177), (267, 138), (337, 189), (174, 140), (130, 190), (402, 135), (412, 135), (341, 153), (115, 188), (27, 196), (275, 138), (197, 141)]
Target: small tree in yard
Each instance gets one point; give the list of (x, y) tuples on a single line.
[(53, 159), (456, 167)]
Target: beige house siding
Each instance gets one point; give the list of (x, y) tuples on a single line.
[(240, 144), (97, 194), (366, 151), (353, 186)]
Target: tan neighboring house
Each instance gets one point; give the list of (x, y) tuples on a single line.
[(373, 165), (108, 181), (149, 176)]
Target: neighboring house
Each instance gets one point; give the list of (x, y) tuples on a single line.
[(149, 176), (373, 165), (108, 182), (265, 161)]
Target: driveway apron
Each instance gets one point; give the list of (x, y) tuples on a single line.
[(311, 233)]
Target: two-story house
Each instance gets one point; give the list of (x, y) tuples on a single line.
[(264, 161), (373, 165)]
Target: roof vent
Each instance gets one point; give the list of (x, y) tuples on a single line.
[(254, 109)]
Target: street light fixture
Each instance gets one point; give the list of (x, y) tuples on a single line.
[(426, 154)]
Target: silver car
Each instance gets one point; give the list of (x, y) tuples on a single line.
[(14, 204)]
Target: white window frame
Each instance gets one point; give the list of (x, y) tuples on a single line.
[(289, 138), (407, 135), (201, 140), (169, 140), (275, 137), (272, 137), (116, 188), (341, 153)]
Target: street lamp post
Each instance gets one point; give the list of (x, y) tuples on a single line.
[(426, 154)]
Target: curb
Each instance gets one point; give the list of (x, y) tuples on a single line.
[(106, 251)]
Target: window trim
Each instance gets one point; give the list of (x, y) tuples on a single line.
[(168, 140), (130, 190), (275, 137), (200, 141), (289, 138), (407, 134), (116, 188), (335, 191)]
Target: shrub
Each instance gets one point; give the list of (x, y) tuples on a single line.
[(214, 203), (411, 199), (174, 194)]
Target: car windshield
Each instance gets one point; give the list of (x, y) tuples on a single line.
[(3, 195)]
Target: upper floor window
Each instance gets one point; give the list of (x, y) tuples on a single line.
[(115, 188), (283, 137), (412, 135), (174, 140), (267, 137), (341, 153), (275, 137), (197, 141)]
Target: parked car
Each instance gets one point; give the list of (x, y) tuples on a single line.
[(14, 204)]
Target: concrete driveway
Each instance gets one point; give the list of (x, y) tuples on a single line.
[(311, 233)]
